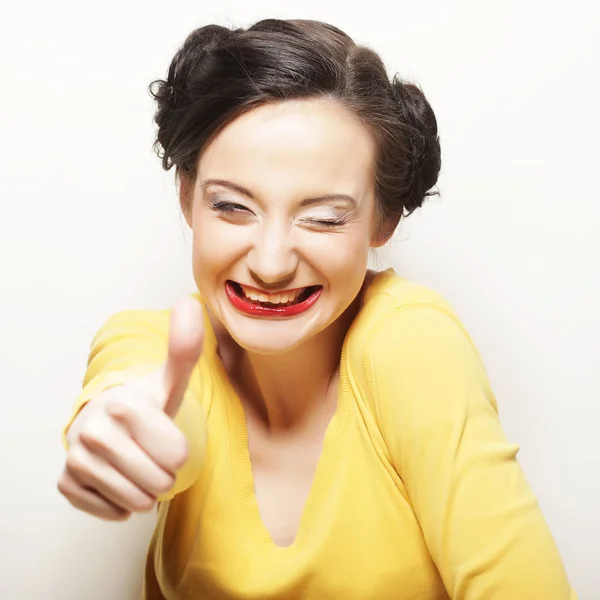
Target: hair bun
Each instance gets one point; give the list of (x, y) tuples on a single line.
[(187, 62), (425, 154), (197, 46), (175, 93)]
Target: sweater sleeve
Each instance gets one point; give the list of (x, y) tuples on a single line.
[(130, 344), (480, 520)]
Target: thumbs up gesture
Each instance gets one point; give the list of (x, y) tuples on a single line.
[(124, 447)]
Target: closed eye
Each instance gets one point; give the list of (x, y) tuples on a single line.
[(228, 207), (337, 222)]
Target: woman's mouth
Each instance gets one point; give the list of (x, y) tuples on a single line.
[(288, 303)]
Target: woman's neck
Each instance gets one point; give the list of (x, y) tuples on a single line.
[(295, 390)]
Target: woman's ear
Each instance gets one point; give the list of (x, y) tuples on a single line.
[(186, 196), (384, 231)]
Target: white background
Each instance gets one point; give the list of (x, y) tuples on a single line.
[(89, 225)]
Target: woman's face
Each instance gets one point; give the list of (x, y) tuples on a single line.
[(283, 217)]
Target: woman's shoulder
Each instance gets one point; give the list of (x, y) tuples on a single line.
[(401, 320), (386, 296), (407, 333)]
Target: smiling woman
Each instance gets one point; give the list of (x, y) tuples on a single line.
[(311, 429), (283, 201)]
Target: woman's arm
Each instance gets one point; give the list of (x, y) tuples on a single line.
[(131, 344), (481, 522)]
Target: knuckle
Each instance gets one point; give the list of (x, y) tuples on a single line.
[(143, 504), (76, 460), (180, 454), (166, 483), (95, 434), (116, 401), (180, 446), (130, 406), (76, 502), (63, 486)]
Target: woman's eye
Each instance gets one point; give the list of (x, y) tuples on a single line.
[(223, 206), (331, 222)]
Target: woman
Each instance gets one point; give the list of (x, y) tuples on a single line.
[(310, 429)]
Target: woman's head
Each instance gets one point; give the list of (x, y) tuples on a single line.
[(295, 155)]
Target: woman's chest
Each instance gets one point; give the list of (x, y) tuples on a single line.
[(352, 533), (283, 475)]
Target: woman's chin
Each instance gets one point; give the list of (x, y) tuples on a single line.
[(267, 343), (269, 336)]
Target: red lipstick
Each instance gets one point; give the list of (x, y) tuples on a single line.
[(259, 309)]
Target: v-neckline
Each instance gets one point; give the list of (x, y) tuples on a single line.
[(241, 465)]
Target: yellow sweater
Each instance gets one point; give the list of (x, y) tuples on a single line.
[(417, 496)]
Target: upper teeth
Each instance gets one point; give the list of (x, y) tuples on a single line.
[(280, 298)]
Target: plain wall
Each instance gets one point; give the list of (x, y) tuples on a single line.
[(89, 225)]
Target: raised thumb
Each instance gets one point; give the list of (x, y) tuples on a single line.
[(186, 334)]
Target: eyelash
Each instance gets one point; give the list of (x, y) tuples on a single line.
[(227, 207), (231, 207), (329, 222)]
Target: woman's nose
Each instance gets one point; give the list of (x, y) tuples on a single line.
[(273, 258)]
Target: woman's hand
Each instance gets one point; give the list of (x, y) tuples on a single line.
[(124, 448)]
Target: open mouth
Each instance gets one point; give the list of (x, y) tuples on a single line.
[(258, 302)]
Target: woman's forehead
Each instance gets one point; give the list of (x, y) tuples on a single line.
[(307, 143)]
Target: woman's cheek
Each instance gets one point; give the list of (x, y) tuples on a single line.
[(339, 251), (219, 241)]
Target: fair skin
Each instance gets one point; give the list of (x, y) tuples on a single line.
[(283, 200), (270, 236), (283, 154)]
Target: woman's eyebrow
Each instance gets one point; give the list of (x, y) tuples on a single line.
[(328, 197), (305, 202), (228, 184)]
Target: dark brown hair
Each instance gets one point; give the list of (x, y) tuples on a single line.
[(219, 73)]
